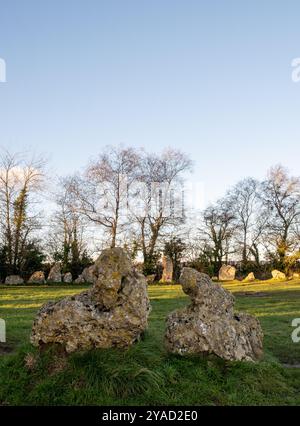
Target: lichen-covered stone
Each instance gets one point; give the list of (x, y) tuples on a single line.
[(37, 278), (209, 325), (112, 313)]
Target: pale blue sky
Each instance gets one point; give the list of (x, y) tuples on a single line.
[(210, 77)]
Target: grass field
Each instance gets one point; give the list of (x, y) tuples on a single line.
[(145, 374)]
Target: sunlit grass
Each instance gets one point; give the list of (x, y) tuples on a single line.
[(146, 374)]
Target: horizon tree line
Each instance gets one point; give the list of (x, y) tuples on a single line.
[(135, 199)]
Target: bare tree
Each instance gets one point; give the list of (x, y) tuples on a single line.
[(281, 199), (159, 195), (245, 204), (67, 238), (218, 230), (101, 193), (20, 179)]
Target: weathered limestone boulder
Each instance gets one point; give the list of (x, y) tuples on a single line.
[(67, 278), (249, 278), (167, 270), (209, 325), (112, 313), (37, 278), (14, 280), (227, 273), (277, 275), (55, 274)]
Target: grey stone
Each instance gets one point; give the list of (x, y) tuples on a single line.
[(112, 313), (14, 280), (209, 325)]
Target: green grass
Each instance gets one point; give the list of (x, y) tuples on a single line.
[(145, 374)]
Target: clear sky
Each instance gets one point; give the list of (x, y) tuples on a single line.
[(210, 77)]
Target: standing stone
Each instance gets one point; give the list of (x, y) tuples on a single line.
[(14, 280), (227, 273), (296, 276), (112, 313), (37, 278), (167, 270), (79, 280), (89, 274), (150, 278), (68, 277), (209, 325), (55, 274), (249, 278), (279, 276)]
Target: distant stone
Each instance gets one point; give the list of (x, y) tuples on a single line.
[(79, 280), (67, 278), (14, 280), (249, 278), (112, 313), (37, 278), (279, 276), (55, 274), (167, 270), (89, 274), (296, 276), (215, 279), (209, 325), (150, 278), (227, 273)]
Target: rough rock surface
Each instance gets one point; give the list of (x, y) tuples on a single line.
[(227, 273), (277, 275), (14, 280), (37, 278), (55, 274), (209, 325), (249, 278), (112, 313), (167, 270), (67, 278)]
